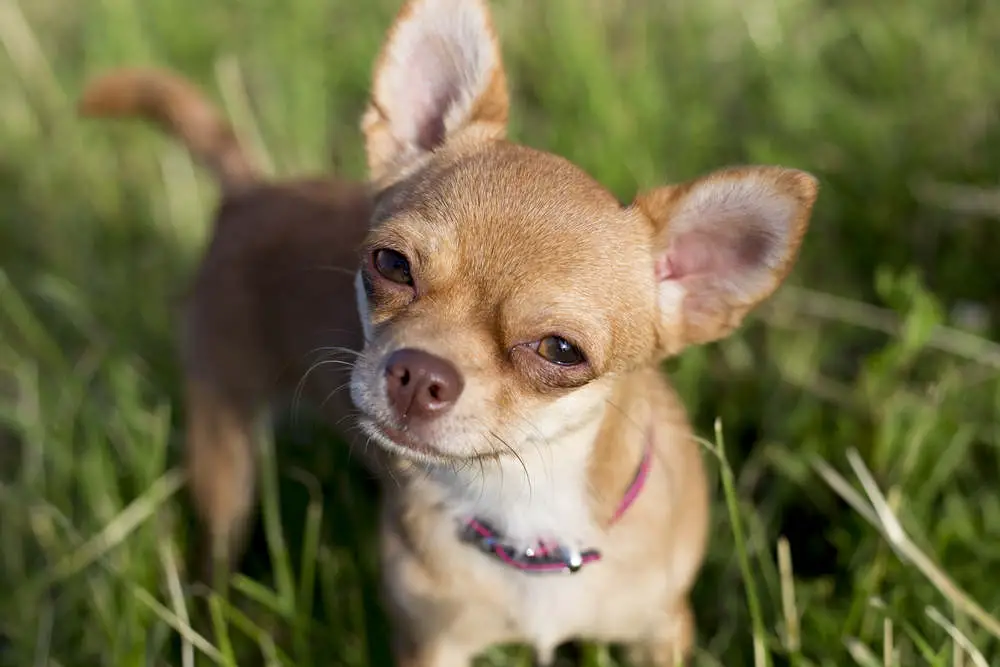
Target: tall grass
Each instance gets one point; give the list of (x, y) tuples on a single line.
[(857, 498)]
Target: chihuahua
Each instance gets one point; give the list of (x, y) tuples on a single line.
[(541, 479)]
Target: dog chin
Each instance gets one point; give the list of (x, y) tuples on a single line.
[(402, 443)]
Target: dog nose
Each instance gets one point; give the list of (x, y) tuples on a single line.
[(421, 385)]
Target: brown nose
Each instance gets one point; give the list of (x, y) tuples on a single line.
[(421, 385)]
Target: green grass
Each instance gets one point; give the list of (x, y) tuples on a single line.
[(857, 516)]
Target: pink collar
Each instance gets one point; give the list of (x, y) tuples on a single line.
[(548, 556)]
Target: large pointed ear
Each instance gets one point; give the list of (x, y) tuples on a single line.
[(723, 243), (439, 74)]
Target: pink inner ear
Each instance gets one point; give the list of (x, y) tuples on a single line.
[(425, 87), (691, 254), (720, 252)]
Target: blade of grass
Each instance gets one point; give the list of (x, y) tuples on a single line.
[(135, 514), (262, 637), (762, 657), (888, 648), (884, 521), (857, 313), (861, 653), (43, 347), (888, 616), (172, 574), (310, 552), (788, 606), (46, 618), (186, 631), (229, 76), (259, 593), (961, 641), (272, 522), (221, 629)]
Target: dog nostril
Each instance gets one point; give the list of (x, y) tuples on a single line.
[(420, 385)]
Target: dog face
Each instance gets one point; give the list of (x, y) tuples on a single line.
[(503, 289)]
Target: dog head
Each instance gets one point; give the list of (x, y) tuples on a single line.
[(503, 290)]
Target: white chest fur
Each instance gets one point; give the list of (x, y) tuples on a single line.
[(544, 492), (544, 495)]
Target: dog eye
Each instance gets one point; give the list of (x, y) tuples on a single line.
[(559, 351), (393, 266)]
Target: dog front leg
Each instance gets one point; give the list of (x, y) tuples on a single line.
[(438, 653), (669, 642)]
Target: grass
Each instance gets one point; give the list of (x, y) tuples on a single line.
[(857, 495)]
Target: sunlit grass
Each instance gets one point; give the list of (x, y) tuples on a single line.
[(857, 495)]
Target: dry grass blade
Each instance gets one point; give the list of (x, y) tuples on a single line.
[(25, 52), (185, 630), (959, 198), (788, 606), (880, 515), (961, 641), (180, 186), (237, 103), (172, 573), (861, 653), (139, 511), (812, 303)]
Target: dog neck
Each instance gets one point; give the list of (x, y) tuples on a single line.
[(564, 489)]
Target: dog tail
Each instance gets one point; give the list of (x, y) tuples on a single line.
[(178, 107)]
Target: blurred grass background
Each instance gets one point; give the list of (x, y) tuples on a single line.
[(874, 372)]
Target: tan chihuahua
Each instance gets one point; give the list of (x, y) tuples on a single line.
[(549, 487), (542, 481)]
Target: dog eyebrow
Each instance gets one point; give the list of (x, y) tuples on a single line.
[(385, 202)]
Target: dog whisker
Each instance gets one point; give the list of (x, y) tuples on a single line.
[(353, 414), (536, 442), (337, 348), (628, 418), (300, 386), (333, 393), (513, 452), (332, 269)]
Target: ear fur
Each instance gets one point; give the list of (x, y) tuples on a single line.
[(722, 244), (439, 75)]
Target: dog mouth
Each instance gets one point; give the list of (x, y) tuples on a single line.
[(400, 441)]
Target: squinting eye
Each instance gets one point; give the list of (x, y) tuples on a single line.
[(392, 266), (559, 351)]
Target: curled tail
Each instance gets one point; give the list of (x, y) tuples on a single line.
[(181, 109)]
